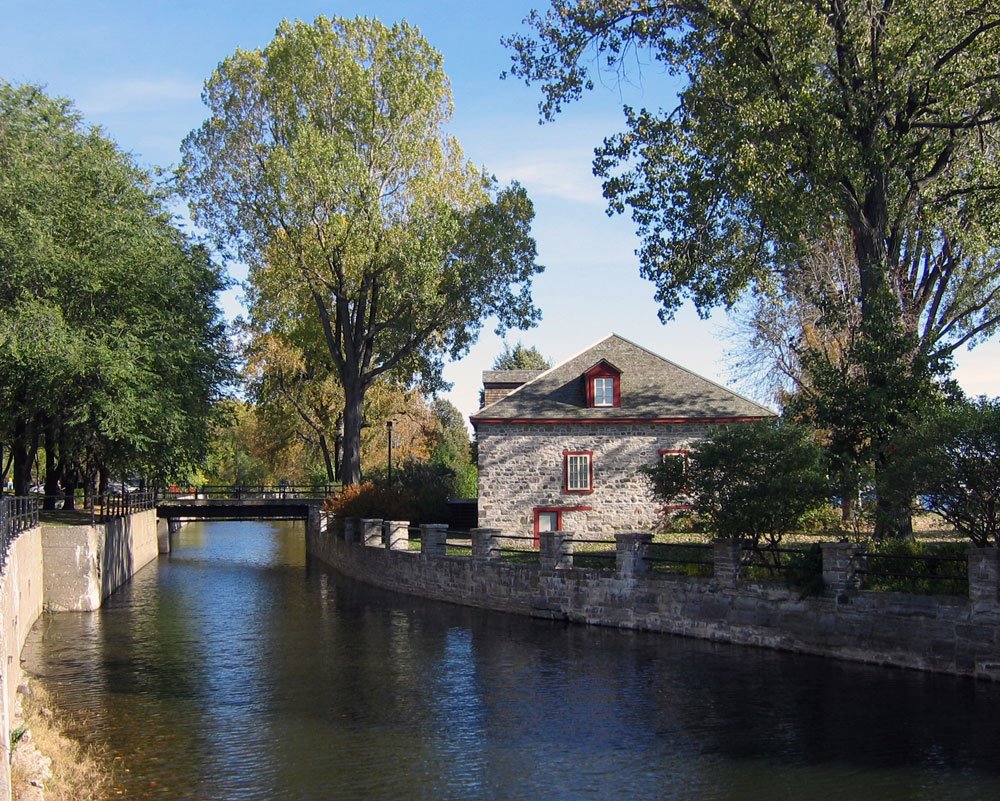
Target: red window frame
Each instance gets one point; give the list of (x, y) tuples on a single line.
[(590, 472), (603, 370), (683, 453), (558, 510)]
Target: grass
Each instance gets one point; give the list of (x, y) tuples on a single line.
[(78, 772)]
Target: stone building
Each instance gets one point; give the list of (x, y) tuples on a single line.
[(560, 449)]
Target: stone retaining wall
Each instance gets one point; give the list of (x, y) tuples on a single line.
[(85, 564), (21, 588), (936, 633)]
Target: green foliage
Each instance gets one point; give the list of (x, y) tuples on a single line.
[(804, 571), (959, 473), (878, 121), (325, 158), (669, 478), (419, 493), (753, 481), (112, 347), (520, 357), (922, 568)]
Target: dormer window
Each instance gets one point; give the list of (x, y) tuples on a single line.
[(603, 385), (604, 392)]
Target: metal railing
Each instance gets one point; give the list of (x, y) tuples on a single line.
[(683, 558), (923, 574), (17, 514), (591, 557), (236, 492)]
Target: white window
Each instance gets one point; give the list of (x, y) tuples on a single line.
[(604, 392), (578, 472)]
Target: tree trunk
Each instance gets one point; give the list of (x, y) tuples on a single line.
[(53, 469), (350, 466), (24, 449), (331, 473)]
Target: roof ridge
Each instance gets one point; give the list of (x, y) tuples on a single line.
[(542, 374), (723, 387)]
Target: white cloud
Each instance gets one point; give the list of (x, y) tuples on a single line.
[(132, 94), (566, 177)]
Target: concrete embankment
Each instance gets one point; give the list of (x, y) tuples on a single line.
[(61, 568), (945, 634)]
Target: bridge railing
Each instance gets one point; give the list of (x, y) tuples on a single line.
[(230, 492)]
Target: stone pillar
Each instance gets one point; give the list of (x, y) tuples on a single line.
[(556, 550), (352, 530), (631, 548), (984, 578), (433, 540), (371, 532), (485, 544), (396, 535), (727, 556), (840, 563)]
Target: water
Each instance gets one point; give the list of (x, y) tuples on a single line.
[(231, 670)]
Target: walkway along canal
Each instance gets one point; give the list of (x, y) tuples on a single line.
[(236, 669), (945, 634)]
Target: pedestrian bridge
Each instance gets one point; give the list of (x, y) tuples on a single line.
[(240, 502)]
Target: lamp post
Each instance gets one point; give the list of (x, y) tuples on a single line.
[(388, 425)]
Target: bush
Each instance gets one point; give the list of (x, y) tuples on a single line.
[(928, 574), (962, 481), (753, 481), (419, 493)]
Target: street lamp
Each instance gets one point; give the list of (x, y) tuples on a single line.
[(388, 425)]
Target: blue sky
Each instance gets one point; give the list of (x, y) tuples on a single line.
[(136, 69)]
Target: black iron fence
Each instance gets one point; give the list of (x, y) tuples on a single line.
[(682, 558), (236, 492), (928, 573), (17, 514)]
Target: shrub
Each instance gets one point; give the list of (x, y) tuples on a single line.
[(753, 481), (962, 482)]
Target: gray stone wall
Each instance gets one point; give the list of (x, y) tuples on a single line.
[(943, 634), (521, 467)]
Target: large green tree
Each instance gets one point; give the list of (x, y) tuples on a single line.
[(880, 118), (112, 349), (326, 151)]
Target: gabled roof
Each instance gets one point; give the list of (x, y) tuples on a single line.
[(508, 377), (652, 388)]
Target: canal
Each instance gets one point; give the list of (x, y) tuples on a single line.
[(232, 669)]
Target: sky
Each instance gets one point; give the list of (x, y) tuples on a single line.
[(136, 69)]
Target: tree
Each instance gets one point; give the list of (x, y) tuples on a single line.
[(879, 118), (960, 451), (452, 448), (520, 357), (754, 481), (325, 152), (112, 348)]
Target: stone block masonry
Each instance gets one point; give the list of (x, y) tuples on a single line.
[(83, 565), (521, 468), (955, 635)]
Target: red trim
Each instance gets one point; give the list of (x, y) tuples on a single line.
[(677, 507), (621, 420), (559, 512), (590, 472), (603, 369)]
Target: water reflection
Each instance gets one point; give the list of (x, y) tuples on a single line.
[(233, 670)]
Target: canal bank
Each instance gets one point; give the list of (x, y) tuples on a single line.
[(953, 635), (61, 568)]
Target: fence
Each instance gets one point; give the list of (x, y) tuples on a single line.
[(231, 492), (837, 567), (661, 587), (17, 514)]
